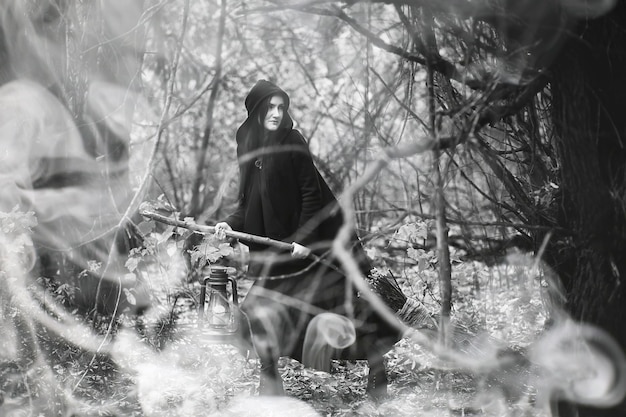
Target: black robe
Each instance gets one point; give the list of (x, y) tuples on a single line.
[(287, 199)]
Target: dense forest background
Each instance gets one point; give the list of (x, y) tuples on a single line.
[(474, 144)]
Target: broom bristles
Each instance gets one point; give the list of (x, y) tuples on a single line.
[(414, 314), (410, 311), (389, 291)]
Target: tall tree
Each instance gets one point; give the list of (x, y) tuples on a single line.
[(588, 91)]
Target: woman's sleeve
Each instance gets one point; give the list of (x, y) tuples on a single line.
[(235, 220), (310, 193)]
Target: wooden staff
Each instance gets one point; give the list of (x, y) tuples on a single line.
[(205, 230)]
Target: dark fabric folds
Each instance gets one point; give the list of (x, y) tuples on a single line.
[(287, 199)]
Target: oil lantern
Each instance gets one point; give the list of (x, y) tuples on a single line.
[(219, 309)]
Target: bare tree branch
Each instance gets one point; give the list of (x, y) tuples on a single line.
[(196, 198)]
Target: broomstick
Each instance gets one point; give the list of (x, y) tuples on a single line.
[(410, 311), (148, 210)]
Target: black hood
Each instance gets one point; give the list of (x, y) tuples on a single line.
[(261, 91)]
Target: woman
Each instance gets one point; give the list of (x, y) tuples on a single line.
[(283, 196)]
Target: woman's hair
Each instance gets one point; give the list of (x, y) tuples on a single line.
[(262, 112), (254, 135)]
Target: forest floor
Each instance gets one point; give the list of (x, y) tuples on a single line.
[(496, 310)]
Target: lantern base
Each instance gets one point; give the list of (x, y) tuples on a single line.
[(217, 336)]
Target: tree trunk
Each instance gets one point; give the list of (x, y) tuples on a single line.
[(589, 106)]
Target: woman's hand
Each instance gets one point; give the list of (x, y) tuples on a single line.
[(298, 251), (220, 230)]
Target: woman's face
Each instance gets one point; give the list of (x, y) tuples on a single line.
[(274, 115)]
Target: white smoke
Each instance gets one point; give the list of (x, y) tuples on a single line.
[(571, 361), (588, 8), (579, 363), (326, 334)]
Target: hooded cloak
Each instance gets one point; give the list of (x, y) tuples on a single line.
[(283, 196)]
